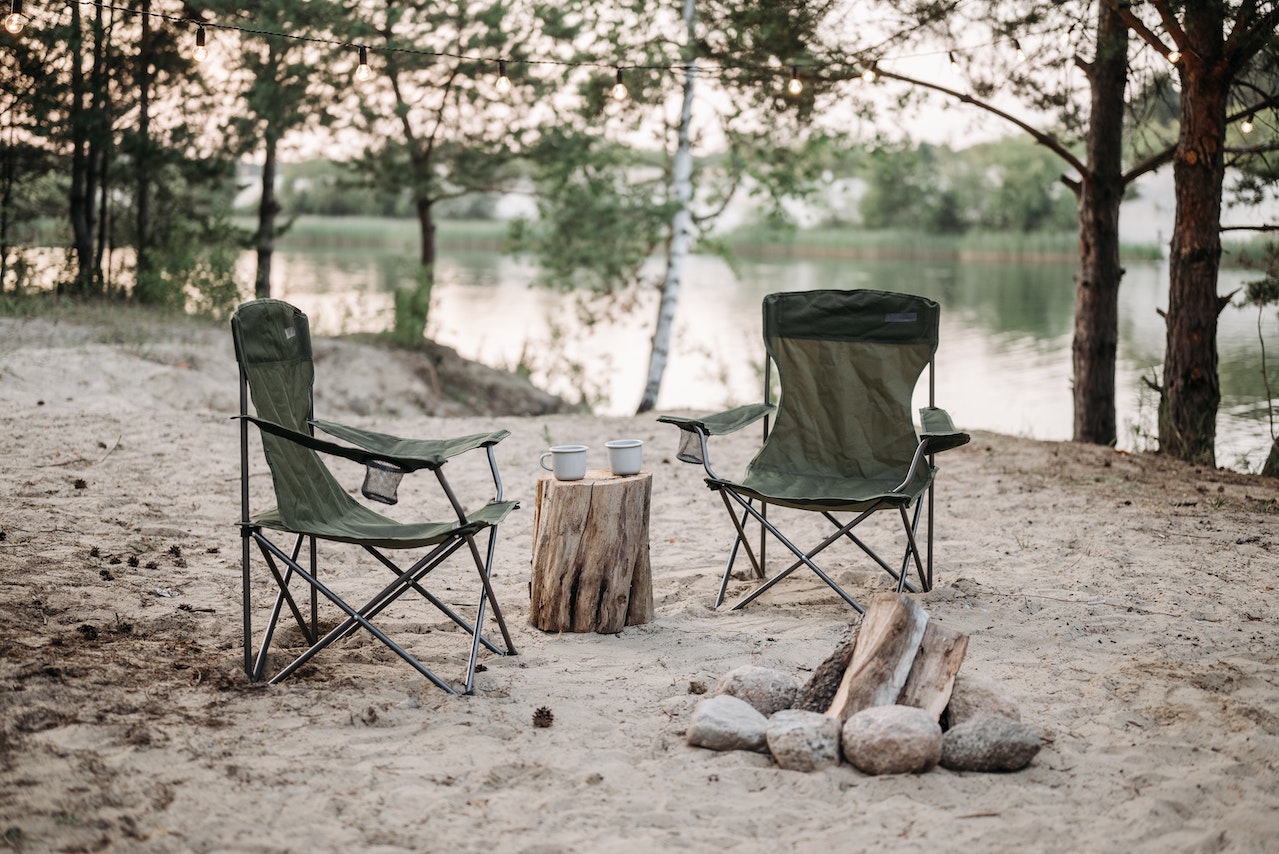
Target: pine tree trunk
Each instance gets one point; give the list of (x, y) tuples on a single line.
[(413, 307), (1271, 467), (1191, 391), (80, 201), (100, 145), (268, 207), (142, 199), (1097, 287)]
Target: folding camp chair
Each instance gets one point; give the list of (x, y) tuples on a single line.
[(273, 348), (843, 440)]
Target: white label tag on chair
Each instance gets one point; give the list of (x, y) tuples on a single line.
[(290, 332)]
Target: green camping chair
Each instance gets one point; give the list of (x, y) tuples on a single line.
[(843, 440), (273, 348)]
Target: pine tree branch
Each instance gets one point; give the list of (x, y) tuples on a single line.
[(1039, 136), (1150, 164), (1147, 35)]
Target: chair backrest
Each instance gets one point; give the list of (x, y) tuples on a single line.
[(273, 348), (847, 362)]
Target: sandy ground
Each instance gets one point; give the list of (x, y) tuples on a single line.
[(1126, 602)]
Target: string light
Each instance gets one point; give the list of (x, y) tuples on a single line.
[(14, 22), (954, 63), (1021, 54), (1174, 56), (201, 53), (871, 72), (795, 86), (619, 92), (1246, 125), (503, 82), (362, 71)]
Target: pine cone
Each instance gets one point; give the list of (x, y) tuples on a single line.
[(543, 717)]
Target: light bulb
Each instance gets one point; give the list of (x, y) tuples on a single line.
[(362, 71), (795, 86), (1021, 54), (1246, 125), (1174, 56), (954, 63), (503, 82), (619, 92), (869, 74), (201, 53), (14, 22)]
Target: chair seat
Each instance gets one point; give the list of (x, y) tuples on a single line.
[(818, 492), (361, 526)]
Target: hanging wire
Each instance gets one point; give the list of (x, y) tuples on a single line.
[(394, 49)]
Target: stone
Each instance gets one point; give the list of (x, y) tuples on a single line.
[(892, 740), (802, 740), (978, 697), (767, 690), (989, 744), (726, 723)]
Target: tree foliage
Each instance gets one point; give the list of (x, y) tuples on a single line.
[(111, 112)]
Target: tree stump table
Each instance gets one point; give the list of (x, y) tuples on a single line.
[(590, 568)]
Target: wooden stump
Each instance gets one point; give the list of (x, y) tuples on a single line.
[(591, 568)]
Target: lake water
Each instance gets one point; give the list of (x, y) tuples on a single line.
[(1004, 363)]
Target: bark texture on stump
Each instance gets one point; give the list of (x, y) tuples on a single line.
[(591, 568)]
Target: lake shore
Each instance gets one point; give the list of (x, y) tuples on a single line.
[(1125, 601)]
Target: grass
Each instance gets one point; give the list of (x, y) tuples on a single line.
[(371, 232), (114, 321), (852, 242), (402, 234)]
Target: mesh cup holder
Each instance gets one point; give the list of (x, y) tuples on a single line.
[(690, 447), (381, 480)]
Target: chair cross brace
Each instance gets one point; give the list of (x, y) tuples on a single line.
[(362, 617), (806, 558)]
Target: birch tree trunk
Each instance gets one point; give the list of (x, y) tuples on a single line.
[(681, 226)]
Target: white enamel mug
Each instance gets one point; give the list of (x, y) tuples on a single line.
[(568, 462), (625, 456)]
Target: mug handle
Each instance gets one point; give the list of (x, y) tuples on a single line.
[(541, 461)]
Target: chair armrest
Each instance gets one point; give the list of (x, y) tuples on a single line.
[(410, 454), (939, 433), (720, 423), (407, 454), (306, 440), (692, 444)]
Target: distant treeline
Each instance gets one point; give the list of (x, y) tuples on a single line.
[(1008, 185)]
